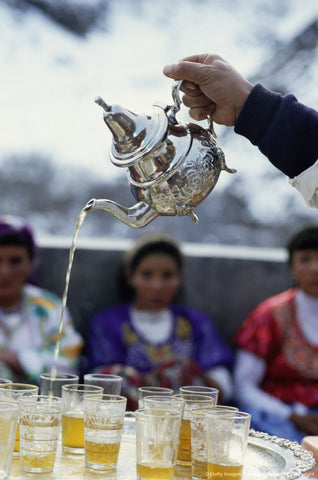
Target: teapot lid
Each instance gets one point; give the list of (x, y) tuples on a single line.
[(134, 135)]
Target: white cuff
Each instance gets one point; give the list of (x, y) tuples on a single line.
[(307, 184)]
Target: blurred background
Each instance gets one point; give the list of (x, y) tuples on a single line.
[(58, 55)]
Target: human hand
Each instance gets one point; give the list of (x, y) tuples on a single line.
[(307, 423), (211, 86)]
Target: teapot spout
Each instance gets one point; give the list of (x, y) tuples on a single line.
[(137, 216)]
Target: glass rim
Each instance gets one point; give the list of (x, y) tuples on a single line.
[(155, 389), (236, 415), (196, 397), (59, 376), (210, 408), (21, 387), (105, 397), (162, 398), (81, 387), (103, 376), (144, 412), (198, 388)]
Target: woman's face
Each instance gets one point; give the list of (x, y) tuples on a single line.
[(156, 280), (304, 264), (15, 267)]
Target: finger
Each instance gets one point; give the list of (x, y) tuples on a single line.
[(183, 70), (201, 113), (196, 101), (206, 58), (190, 88)]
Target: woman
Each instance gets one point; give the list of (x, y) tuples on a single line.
[(150, 340), (276, 368), (29, 315)]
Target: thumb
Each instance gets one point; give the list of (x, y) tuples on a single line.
[(184, 70)]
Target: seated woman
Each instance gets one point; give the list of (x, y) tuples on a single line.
[(29, 315), (150, 340), (276, 368)]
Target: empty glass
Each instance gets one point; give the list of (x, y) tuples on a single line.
[(110, 383), (146, 391), (52, 384)]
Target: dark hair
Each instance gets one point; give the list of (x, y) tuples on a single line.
[(305, 239), (146, 245), (15, 231)]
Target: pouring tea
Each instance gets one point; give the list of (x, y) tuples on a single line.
[(171, 166)]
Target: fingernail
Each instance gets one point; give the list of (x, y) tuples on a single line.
[(168, 69)]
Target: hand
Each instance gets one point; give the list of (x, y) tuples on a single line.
[(307, 423), (211, 86)]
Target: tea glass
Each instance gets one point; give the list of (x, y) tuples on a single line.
[(164, 403), (157, 441), (199, 439), (103, 425), (110, 383), (200, 390), (227, 438), (40, 425), (51, 384), (73, 415), (192, 400), (12, 392), (9, 413), (146, 391)]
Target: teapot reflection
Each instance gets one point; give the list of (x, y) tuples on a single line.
[(171, 166)]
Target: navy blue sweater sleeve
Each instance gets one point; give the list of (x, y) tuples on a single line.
[(284, 130)]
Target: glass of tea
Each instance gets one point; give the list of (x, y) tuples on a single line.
[(73, 415), (157, 440), (103, 425), (40, 424), (227, 438), (191, 401)]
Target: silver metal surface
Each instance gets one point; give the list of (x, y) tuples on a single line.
[(171, 166)]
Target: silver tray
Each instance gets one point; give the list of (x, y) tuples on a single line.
[(267, 458), (270, 457)]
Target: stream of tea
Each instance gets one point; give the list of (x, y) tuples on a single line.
[(79, 223)]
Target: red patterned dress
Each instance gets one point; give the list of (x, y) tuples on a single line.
[(273, 333)]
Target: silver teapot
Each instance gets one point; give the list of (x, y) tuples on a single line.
[(171, 166)]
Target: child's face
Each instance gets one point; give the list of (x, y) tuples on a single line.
[(304, 265), (15, 267), (156, 280)]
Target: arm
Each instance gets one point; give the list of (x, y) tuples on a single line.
[(249, 370), (284, 130)]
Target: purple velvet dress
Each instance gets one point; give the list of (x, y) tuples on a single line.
[(114, 346)]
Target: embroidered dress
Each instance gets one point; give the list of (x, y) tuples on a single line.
[(192, 348), (31, 332), (272, 332)]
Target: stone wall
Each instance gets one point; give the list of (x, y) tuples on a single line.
[(224, 282)]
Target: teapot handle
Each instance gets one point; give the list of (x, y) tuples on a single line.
[(176, 107)]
